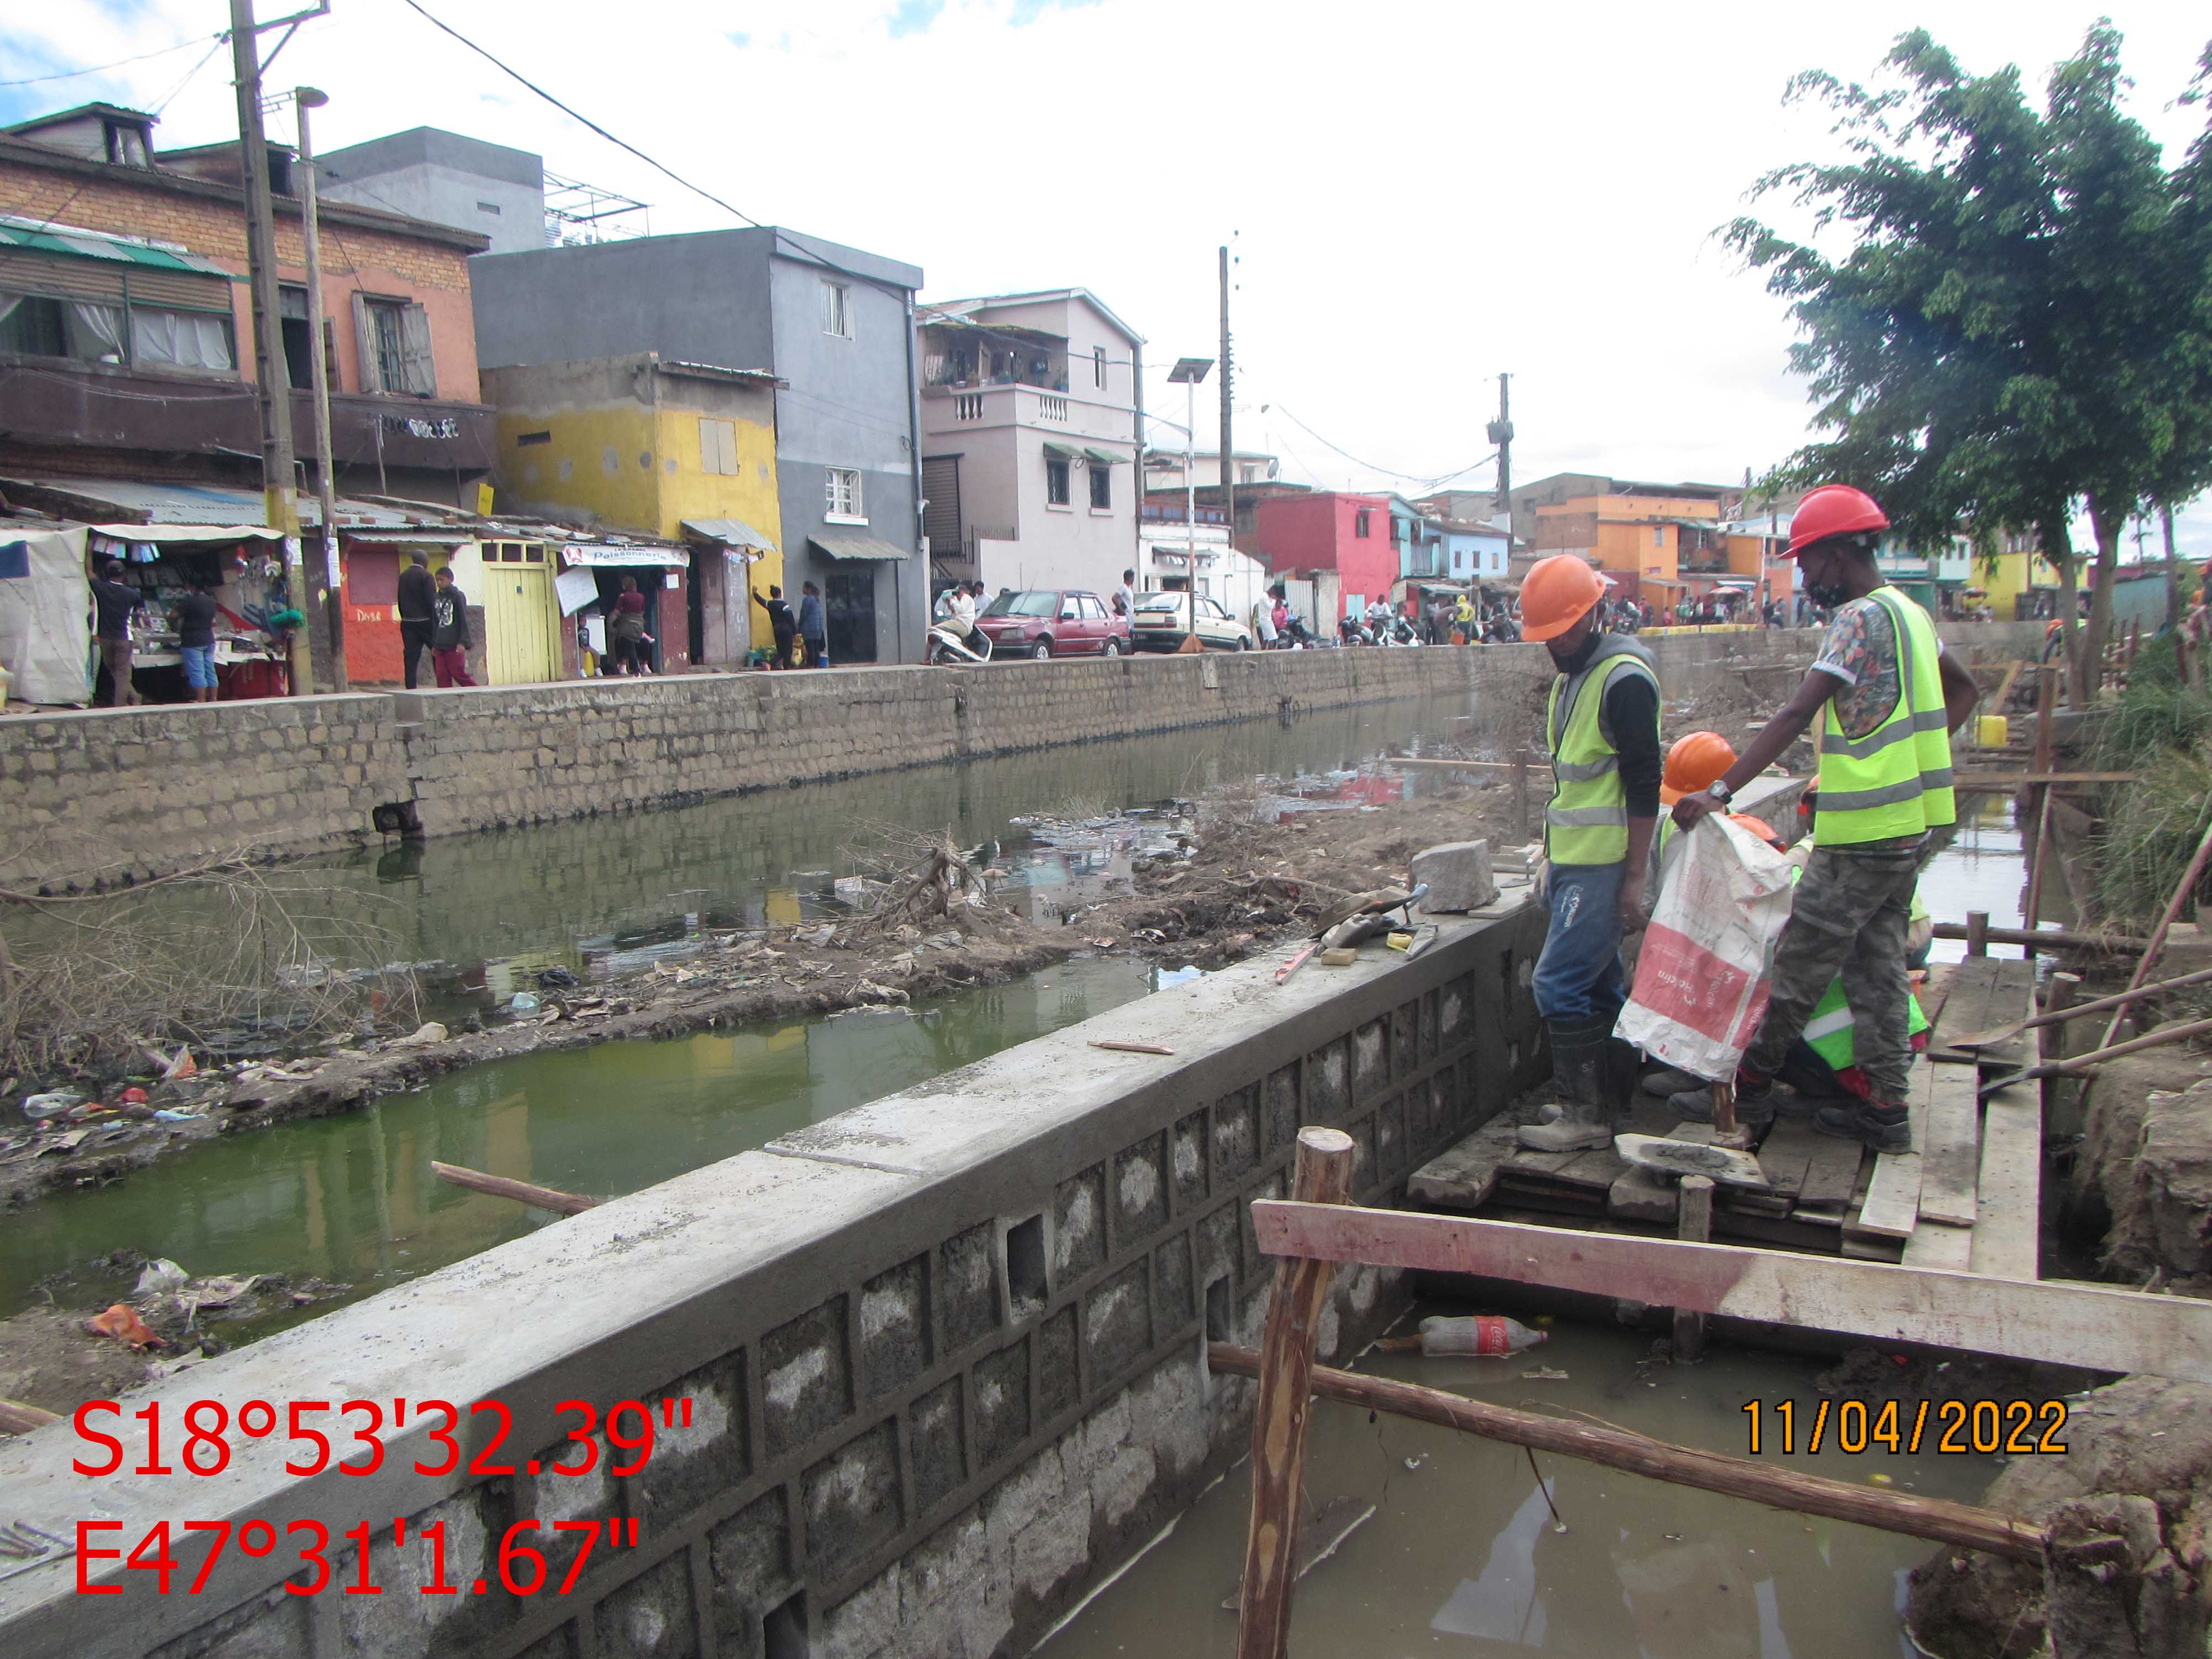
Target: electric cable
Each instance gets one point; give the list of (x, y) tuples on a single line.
[(102, 69)]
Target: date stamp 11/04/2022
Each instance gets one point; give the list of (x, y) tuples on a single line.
[(1958, 1428), (348, 1436)]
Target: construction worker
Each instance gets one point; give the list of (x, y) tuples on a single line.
[(1602, 726), (1887, 699)]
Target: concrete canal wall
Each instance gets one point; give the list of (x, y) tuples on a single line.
[(944, 1352), (148, 790)]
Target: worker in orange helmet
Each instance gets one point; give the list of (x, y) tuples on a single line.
[(1886, 699), (1601, 728)]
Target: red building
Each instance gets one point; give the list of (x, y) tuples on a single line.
[(1340, 543)]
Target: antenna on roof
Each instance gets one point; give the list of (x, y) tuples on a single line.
[(578, 214)]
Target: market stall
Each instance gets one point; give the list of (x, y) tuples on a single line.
[(241, 565)]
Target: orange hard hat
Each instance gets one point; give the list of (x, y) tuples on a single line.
[(1759, 827), (1694, 762), (1555, 593), (1832, 510)]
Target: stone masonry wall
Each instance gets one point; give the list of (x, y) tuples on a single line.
[(944, 1354), (145, 791)]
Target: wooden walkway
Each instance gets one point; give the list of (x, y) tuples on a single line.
[(1967, 1197)]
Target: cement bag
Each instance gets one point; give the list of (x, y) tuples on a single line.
[(1700, 989)]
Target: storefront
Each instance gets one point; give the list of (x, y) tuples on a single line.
[(241, 565), (658, 569)]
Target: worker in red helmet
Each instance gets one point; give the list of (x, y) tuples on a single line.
[(1602, 729), (1886, 699)]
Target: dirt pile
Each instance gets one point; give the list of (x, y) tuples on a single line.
[(2142, 1181), (2130, 1507)]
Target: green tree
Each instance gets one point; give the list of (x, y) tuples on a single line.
[(2020, 322)]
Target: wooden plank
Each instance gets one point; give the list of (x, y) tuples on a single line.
[(1948, 1248), (1891, 1209), (1464, 1175), (2008, 1195), (2003, 783), (1598, 1169), (1831, 1173), (1950, 1162), (1935, 990), (2014, 997), (1642, 1195), (1970, 1006), (1787, 1153), (2110, 1330)]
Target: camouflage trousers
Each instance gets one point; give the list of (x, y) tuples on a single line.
[(1852, 917)]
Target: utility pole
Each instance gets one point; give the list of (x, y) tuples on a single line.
[(1228, 448), (1500, 432), (307, 98), (272, 385)]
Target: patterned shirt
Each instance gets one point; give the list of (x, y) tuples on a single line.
[(1860, 649)]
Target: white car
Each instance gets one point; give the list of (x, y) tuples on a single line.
[(1161, 619)]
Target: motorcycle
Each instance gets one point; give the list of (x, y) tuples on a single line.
[(950, 644), (1294, 635), (1399, 630), (1353, 631)]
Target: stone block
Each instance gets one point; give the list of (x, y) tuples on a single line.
[(403, 1623), (1121, 1483), (1237, 1133), (1024, 1495), (1002, 1403), (1117, 1323), (1189, 1153), (1059, 1379), (1052, 1547), (651, 1617), (1459, 876), (852, 1499), (1370, 1062), (937, 1444), (864, 1625), (1171, 1282), (694, 1460), (1080, 1235), (894, 1327), (805, 1376), (1141, 1189)]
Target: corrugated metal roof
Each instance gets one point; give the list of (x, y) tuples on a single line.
[(37, 236), (165, 502), (733, 532), (856, 547)]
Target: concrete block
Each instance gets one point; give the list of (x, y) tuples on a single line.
[(936, 1443), (1079, 1238), (864, 1625), (1121, 1483), (1059, 1375), (1188, 1152), (954, 1560), (894, 1337), (1053, 1546), (806, 1375), (1459, 876), (750, 1555), (403, 1623), (852, 1499), (1002, 1403), (1117, 1323), (1139, 1189), (651, 1617)]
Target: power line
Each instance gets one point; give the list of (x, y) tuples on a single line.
[(1420, 480), (102, 69)]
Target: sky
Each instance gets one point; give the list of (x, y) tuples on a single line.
[(1416, 196)]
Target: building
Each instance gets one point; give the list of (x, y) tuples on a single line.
[(1454, 551), (426, 173), (1163, 468), (1337, 541), (704, 438), (1032, 423), (831, 325), (1561, 488), (126, 343), (1168, 549)]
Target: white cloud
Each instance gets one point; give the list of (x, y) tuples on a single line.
[(1420, 194)]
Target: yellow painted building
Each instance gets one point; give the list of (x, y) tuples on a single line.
[(650, 446)]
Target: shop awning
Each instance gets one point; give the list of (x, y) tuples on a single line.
[(179, 535), (169, 503), (1099, 457), (35, 235), (603, 553), (856, 547), (1062, 453), (731, 533)]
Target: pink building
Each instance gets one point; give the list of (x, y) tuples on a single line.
[(1339, 542)]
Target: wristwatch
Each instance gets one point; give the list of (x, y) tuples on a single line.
[(1719, 791)]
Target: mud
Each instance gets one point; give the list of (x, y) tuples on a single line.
[(2140, 1184)]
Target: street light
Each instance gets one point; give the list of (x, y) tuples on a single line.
[(307, 98), (1187, 373)]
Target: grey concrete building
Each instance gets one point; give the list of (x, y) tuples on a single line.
[(834, 324), (429, 173)]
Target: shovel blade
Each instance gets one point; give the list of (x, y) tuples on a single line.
[(1722, 1164)]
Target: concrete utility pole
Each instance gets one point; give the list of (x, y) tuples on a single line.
[(271, 384), (1500, 432), (307, 98), (1228, 448)]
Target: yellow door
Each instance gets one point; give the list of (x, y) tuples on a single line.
[(521, 620)]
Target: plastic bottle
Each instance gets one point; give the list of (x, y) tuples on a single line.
[(1483, 1334)]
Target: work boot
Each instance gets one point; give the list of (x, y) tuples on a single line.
[(1579, 1067), (1755, 1104), (1668, 1080), (1885, 1128)]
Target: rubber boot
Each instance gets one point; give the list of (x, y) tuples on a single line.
[(1579, 1066), (1885, 1128)]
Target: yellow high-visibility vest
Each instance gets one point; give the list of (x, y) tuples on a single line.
[(1896, 780), (1587, 822)]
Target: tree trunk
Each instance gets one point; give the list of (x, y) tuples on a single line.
[(2173, 613), (2055, 535), (2108, 527)]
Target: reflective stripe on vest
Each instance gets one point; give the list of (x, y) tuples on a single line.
[(1830, 1033), (1896, 780), (1587, 822)]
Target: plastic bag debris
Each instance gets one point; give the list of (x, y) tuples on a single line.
[(158, 1275)]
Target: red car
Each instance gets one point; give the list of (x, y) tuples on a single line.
[(1043, 622)]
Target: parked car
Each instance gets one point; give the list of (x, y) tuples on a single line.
[(1044, 621), (1162, 619)]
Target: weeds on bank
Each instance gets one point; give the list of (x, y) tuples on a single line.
[(2161, 730)]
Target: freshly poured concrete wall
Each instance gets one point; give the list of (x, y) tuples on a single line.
[(945, 1353), (150, 790)]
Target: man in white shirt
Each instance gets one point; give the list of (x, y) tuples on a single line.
[(1125, 596)]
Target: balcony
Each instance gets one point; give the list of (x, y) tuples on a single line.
[(946, 407)]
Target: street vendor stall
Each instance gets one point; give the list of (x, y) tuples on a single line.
[(241, 565)]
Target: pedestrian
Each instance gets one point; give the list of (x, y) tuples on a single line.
[(1463, 628), (782, 623), (626, 632), (1886, 698), (114, 603), (813, 632), (1125, 596), (418, 614), (1602, 729), (449, 639), (195, 619), (1263, 621)]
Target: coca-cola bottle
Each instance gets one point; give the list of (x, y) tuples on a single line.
[(1477, 1334)]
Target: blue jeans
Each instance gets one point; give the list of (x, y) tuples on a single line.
[(1578, 975), (199, 667)]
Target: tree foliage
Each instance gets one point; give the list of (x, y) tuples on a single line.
[(2022, 322)]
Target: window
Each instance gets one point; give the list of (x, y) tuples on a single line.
[(391, 338), (127, 144), (529, 440), (492, 208), (718, 447), (1101, 486), (1658, 536), (1246, 474), (1359, 525), (181, 339), (1090, 609), (1055, 481), (836, 310), (1099, 365), (841, 487)]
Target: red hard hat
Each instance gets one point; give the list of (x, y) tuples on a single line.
[(1555, 593), (1832, 510)]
